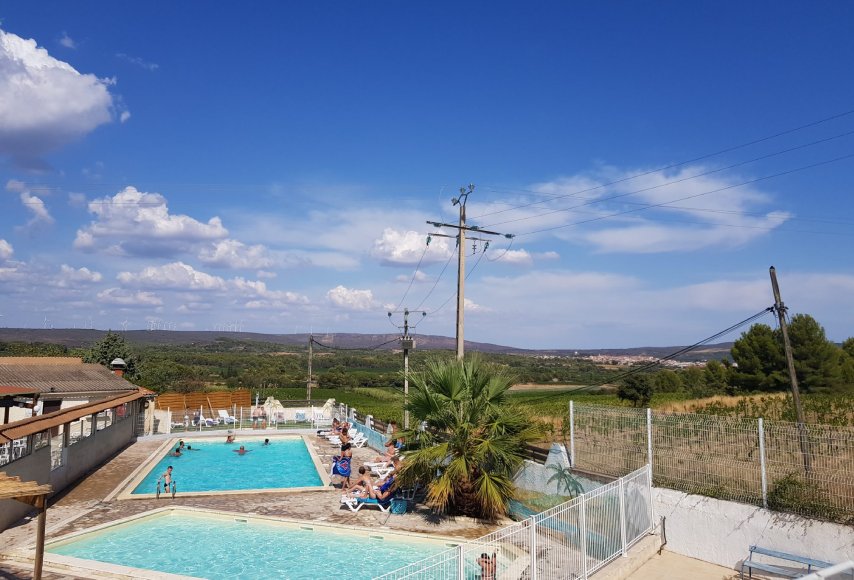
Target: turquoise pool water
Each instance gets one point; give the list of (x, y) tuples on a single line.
[(216, 467), (211, 547)]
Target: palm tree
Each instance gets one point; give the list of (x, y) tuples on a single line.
[(565, 479), (471, 440)]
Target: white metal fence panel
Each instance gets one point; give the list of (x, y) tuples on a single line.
[(571, 540), (775, 464)]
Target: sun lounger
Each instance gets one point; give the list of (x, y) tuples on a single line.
[(357, 503), (226, 418)]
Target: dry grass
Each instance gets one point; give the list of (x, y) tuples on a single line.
[(697, 405)]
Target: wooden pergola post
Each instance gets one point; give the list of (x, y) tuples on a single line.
[(34, 494)]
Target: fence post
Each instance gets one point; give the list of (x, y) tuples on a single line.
[(649, 498), (572, 433), (168, 420), (369, 421), (201, 414), (762, 463), (623, 516), (582, 528), (241, 418), (649, 437), (461, 564), (533, 548)]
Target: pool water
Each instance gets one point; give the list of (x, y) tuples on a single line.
[(215, 547), (283, 463)]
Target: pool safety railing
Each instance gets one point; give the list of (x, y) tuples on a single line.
[(845, 570), (571, 540)]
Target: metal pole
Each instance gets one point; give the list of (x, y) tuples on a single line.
[(168, 420), (623, 516), (780, 308), (461, 271), (310, 354), (762, 463), (201, 414), (461, 564), (405, 388), (572, 434), (649, 437), (533, 548), (582, 526)]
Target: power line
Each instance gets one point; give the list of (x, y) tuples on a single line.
[(469, 273), (445, 267), (660, 185), (671, 356), (414, 273), (374, 347), (649, 206), (681, 163)]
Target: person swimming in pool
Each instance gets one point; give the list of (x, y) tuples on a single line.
[(229, 438), (176, 453), (242, 450), (266, 441)]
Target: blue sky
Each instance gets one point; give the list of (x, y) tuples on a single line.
[(206, 166)]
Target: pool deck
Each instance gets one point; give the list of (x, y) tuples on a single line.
[(90, 502)]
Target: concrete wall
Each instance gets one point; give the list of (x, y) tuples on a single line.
[(91, 452), (534, 477), (33, 467), (81, 457), (721, 532)]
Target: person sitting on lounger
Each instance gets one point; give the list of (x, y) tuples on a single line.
[(242, 450), (392, 447), (363, 484), (384, 491), (335, 430)]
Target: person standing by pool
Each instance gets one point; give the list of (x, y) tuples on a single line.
[(166, 478), (487, 566), (259, 416), (342, 464)]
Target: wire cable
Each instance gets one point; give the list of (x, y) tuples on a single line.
[(374, 347), (671, 356), (469, 273), (414, 274), (507, 249), (649, 206), (445, 267), (681, 163)]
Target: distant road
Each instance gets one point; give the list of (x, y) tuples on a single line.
[(547, 387)]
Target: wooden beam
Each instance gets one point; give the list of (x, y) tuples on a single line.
[(39, 559)]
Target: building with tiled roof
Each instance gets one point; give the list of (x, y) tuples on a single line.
[(60, 382)]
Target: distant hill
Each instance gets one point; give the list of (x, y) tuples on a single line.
[(75, 338)]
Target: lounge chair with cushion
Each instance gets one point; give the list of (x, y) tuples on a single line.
[(357, 503), (226, 418)]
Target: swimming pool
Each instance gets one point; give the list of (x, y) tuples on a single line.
[(213, 466), (209, 545)]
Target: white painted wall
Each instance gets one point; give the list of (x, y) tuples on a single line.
[(721, 532)]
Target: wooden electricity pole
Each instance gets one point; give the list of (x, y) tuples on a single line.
[(461, 259), (780, 309)]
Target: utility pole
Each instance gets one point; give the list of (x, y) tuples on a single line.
[(310, 353), (461, 259), (780, 309), (407, 343)]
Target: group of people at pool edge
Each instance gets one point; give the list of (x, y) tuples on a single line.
[(365, 486)]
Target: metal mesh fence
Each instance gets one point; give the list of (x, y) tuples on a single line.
[(572, 540), (808, 471)]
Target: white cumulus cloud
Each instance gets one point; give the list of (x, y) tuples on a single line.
[(174, 276), (397, 248), (521, 257), (46, 103), (351, 299), (134, 222), (6, 250), (123, 297), (69, 276), (234, 254)]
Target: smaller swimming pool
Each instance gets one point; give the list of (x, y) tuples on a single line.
[(208, 545), (214, 466)]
